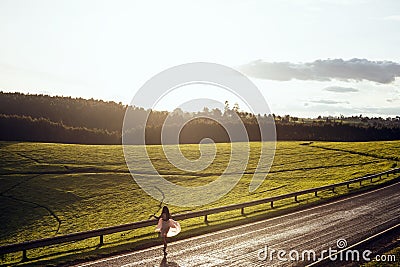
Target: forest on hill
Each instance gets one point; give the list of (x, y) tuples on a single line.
[(43, 118)]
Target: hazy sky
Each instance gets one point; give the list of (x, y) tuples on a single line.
[(308, 58)]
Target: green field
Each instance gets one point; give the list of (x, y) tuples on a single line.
[(55, 189)]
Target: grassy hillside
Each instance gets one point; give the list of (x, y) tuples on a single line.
[(54, 189)]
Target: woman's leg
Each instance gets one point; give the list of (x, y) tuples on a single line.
[(165, 243)]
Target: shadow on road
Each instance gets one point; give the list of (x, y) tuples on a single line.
[(165, 263)]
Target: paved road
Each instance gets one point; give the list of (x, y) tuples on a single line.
[(318, 228)]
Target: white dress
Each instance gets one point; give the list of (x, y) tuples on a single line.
[(170, 227)]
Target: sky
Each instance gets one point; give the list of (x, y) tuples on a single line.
[(307, 58)]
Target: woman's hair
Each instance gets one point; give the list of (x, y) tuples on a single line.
[(166, 211)]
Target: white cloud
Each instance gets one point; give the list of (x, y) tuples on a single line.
[(395, 18), (393, 100), (355, 69), (339, 89), (329, 102)]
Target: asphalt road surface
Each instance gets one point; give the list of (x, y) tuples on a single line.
[(319, 228)]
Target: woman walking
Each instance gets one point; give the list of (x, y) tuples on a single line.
[(167, 227)]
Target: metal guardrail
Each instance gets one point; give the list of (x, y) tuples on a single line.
[(24, 246)]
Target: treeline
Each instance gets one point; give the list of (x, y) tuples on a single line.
[(194, 132), (75, 112), (335, 132), (25, 128), (43, 118)]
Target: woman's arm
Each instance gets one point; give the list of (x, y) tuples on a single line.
[(155, 217)]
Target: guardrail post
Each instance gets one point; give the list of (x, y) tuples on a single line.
[(371, 179), (295, 199), (205, 219), (316, 193), (24, 257), (242, 211), (387, 175), (272, 204), (360, 183), (348, 186), (333, 189), (101, 240)]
